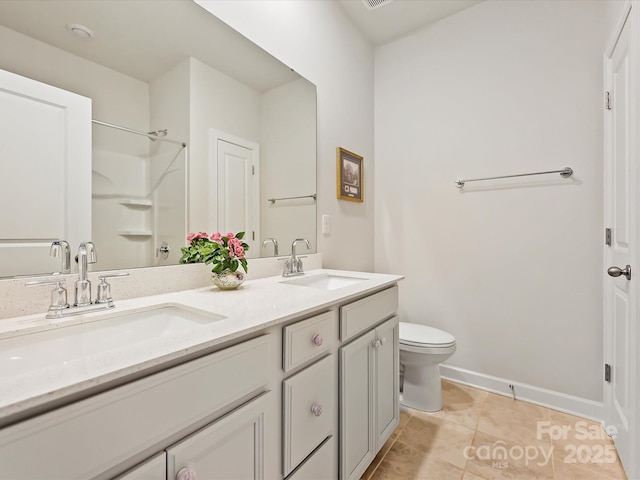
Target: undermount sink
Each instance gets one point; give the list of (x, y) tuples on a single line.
[(328, 281), (62, 345)]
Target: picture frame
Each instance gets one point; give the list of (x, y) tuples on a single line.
[(350, 176)]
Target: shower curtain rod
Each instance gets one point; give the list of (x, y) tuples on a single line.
[(564, 173), (130, 130)]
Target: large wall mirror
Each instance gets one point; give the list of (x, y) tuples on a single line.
[(191, 128)]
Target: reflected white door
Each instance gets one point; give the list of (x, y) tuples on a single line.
[(236, 188), (45, 185), (620, 212)]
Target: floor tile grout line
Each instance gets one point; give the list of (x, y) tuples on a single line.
[(475, 432)]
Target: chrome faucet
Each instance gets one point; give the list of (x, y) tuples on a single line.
[(86, 255), (293, 265), (267, 241), (61, 247), (59, 308)]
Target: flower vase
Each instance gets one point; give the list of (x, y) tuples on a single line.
[(227, 280)]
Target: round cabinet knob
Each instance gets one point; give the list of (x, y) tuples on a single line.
[(383, 340), (316, 409), (186, 474), (376, 343), (317, 340)]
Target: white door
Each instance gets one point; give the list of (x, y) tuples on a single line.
[(45, 186), (620, 217), (236, 188)]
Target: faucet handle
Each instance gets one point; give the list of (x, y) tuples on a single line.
[(58, 294), (299, 268), (104, 289)]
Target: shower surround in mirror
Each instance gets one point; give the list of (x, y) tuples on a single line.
[(141, 189)]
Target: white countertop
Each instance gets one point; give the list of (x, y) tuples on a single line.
[(256, 305)]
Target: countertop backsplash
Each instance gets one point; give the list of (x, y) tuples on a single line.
[(16, 299)]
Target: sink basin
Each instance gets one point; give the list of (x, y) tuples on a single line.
[(59, 347), (328, 281)]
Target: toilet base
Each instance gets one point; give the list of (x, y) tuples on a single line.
[(422, 389)]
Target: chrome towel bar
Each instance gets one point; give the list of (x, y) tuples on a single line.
[(564, 173), (274, 200)]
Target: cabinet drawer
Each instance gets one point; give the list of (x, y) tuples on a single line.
[(153, 469), (361, 315), (104, 431), (303, 341), (321, 465), (309, 406)]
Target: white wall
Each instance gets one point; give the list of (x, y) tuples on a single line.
[(512, 268), (316, 39), (220, 102), (288, 166)]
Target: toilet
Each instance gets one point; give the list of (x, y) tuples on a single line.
[(422, 349)]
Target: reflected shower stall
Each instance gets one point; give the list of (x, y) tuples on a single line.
[(139, 197)]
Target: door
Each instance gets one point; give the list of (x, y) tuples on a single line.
[(235, 189), (357, 437), (45, 186), (230, 448), (387, 377), (620, 253)]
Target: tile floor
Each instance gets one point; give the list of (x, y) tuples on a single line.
[(483, 436)]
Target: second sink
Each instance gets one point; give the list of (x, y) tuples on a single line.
[(327, 281)]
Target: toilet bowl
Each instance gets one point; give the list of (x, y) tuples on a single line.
[(422, 349)]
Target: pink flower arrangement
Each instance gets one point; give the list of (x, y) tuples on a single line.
[(224, 252)]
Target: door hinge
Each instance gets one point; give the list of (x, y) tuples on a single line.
[(253, 235), (607, 373), (253, 170), (607, 100), (607, 236)]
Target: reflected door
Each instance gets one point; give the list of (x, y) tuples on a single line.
[(45, 185), (237, 189)]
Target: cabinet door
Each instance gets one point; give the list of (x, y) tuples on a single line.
[(357, 437), (230, 448), (387, 374)]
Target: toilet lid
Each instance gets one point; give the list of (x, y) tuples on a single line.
[(416, 334)]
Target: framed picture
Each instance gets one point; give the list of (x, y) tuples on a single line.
[(350, 170)]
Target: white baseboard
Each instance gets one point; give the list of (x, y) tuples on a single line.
[(546, 398)]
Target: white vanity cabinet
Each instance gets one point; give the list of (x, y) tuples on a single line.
[(104, 435), (369, 410), (312, 396)]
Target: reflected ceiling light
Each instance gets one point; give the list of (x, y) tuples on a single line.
[(80, 31), (373, 4)]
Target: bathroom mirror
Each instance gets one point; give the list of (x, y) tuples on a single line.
[(218, 134)]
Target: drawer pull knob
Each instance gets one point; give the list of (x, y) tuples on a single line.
[(317, 340), (376, 343), (316, 409), (382, 340), (186, 474)]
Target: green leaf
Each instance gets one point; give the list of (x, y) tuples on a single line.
[(240, 235)]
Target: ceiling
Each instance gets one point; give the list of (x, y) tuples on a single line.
[(144, 38), (400, 17)]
